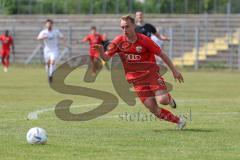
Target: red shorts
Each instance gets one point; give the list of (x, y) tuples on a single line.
[(93, 53), (147, 87), (5, 53)]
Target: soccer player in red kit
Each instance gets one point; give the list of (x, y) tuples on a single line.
[(137, 53), (7, 42), (93, 38)]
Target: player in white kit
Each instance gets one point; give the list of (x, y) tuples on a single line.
[(50, 38)]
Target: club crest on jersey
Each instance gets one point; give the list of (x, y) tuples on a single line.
[(139, 49)]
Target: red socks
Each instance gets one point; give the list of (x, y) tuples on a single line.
[(5, 61), (168, 116)]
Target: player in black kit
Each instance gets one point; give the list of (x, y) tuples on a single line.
[(148, 29)]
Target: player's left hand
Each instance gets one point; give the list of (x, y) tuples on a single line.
[(178, 76)]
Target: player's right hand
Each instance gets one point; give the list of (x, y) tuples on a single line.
[(178, 76)]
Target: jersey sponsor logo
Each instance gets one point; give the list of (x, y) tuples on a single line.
[(139, 49), (133, 57)]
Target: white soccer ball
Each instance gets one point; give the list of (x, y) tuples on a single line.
[(37, 135)]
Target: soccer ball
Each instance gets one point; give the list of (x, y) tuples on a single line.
[(37, 135)]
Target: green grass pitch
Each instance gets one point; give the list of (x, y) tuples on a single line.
[(213, 132)]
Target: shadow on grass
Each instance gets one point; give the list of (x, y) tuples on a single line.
[(199, 130)]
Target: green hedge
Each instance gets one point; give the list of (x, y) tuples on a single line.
[(115, 6)]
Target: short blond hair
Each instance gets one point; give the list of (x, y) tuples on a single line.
[(128, 17)]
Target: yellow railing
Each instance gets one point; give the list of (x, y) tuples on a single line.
[(208, 49)]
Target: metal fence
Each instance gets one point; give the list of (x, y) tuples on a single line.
[(198, 47), (196, 40), (117, 6)]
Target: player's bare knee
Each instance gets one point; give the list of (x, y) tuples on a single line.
[(164, 100)]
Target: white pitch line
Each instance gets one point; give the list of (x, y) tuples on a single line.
[(35, 114)]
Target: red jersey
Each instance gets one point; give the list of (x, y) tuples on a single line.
[(138, 58), (6, 42), (93, 39)]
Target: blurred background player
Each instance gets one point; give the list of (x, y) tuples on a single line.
[(149, 30), (7, 42), (138, 58), (95, 38), (50, 37)]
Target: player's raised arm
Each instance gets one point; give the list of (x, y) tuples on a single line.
[(42, 36), (176, 74), (162, 37), (93, 33), (85, 39)]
